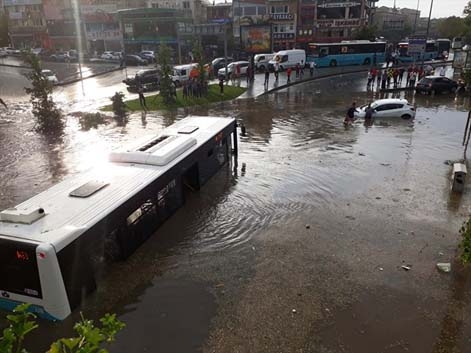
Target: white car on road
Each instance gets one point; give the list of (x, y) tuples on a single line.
[(243, 65), (50, 76), (388, 108)]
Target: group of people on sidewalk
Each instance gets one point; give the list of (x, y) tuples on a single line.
[(298, 69), (394, 76)]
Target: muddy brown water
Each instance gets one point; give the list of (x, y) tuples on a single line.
[(297, 249)]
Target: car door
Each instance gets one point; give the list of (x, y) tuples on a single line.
[(384, 110)]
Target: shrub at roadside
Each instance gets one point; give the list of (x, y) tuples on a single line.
[(49, 119), (119, 108), (91, 120), (89, 339)]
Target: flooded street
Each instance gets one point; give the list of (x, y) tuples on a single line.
[(299, 247)]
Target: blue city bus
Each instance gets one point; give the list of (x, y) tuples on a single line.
[(355, 52), (431, 52)]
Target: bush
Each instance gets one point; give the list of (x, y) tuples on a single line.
[(91, 120), (89, 338), (465, 244), (119, 108)]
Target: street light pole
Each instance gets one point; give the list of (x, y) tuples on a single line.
[(416, 16), (428, 29)]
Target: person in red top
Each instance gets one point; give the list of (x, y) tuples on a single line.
[(288, 75)]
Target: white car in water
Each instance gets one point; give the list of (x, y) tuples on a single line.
[(50, 76), (388, 108)]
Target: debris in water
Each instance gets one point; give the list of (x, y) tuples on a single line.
[(361, 154), (385, 164), (381, 269), (253, 248), (406, 267), (294, 311), (350, 217), (440, 253), (406, 189), (308, 226), (444, 266), (378, 198)]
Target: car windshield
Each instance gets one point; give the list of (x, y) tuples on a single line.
[(425, 80), (48, 73)]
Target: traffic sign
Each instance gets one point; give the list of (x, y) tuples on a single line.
[(416, 46)]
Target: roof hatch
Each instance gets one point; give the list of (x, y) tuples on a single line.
[(25, 216), (159, 150)]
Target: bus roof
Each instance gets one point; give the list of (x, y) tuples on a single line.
[(55, 216), (347, 43)]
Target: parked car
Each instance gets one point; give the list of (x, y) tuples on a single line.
[(3, 53), (436, 84), (12, 51), (60, 57), (388, 108), (135, 60), (50, 76), (111, 55), (144, 77), (231, 68), (219, 63), (147, 55)]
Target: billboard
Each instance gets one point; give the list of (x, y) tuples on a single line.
[(256, 39)]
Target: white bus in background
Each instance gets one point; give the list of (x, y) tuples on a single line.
[(54, 246), (288, 58)]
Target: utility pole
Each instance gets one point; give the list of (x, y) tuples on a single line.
[(416, 16), (225, 50), (428, 30)]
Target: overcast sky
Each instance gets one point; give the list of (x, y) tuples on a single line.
[(441, 8)]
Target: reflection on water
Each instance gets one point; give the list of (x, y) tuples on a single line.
[(295, 156)]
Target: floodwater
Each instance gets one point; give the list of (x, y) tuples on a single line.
[(299, 247)]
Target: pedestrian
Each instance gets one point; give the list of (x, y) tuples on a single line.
[(413, 78), (221, 86), (368, 115), (401, 74), (395, 76), (384, 77), (142, 99), (238, 72), (369, 78), (277, 70), (409, 73), (301, 70), (3, 103), (350, 116), (267, 77), (312, 64), (288, 75), (378, 79), (442, 71), (297, 70), (249, 74)]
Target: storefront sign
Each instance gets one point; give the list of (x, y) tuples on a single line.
[(283, 35), (328, 5), (281, 16), (15, 15), (104, 35), (256, 39), (93, 9), (338, 23)]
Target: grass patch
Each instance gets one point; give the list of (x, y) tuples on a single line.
[(155, 102)]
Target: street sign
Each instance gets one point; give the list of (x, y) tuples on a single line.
[(416, 47)]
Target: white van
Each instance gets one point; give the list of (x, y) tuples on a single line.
[(261, 60), (288, 58), (181, 73)]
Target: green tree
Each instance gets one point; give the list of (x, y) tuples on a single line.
[(366, 32), (451, 27), (89, 339), (49, 119), (166, 84)]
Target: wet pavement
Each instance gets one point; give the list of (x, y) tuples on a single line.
[(297, 249)]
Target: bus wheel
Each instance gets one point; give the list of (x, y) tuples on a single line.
[(367, 61), (333, 63)]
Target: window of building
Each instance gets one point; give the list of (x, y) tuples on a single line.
[(280, 9), (250, 11), (186, 4), (262, 10)]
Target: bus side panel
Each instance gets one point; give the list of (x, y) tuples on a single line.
[(55, 300)]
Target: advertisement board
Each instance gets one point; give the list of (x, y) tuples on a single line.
[(459, 59), (416, 47), (255, 39)]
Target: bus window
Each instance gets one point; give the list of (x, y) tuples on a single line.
[(323, 52)]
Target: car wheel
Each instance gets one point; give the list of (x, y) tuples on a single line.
[(367, 61), (406, 116), (333, 63)]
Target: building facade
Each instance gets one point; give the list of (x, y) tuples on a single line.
[(26, 23), (395, 19)]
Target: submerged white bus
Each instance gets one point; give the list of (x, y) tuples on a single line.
[(53, 246)]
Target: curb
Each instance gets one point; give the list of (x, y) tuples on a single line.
[(365, 69), (18, 66), (68, 82)]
